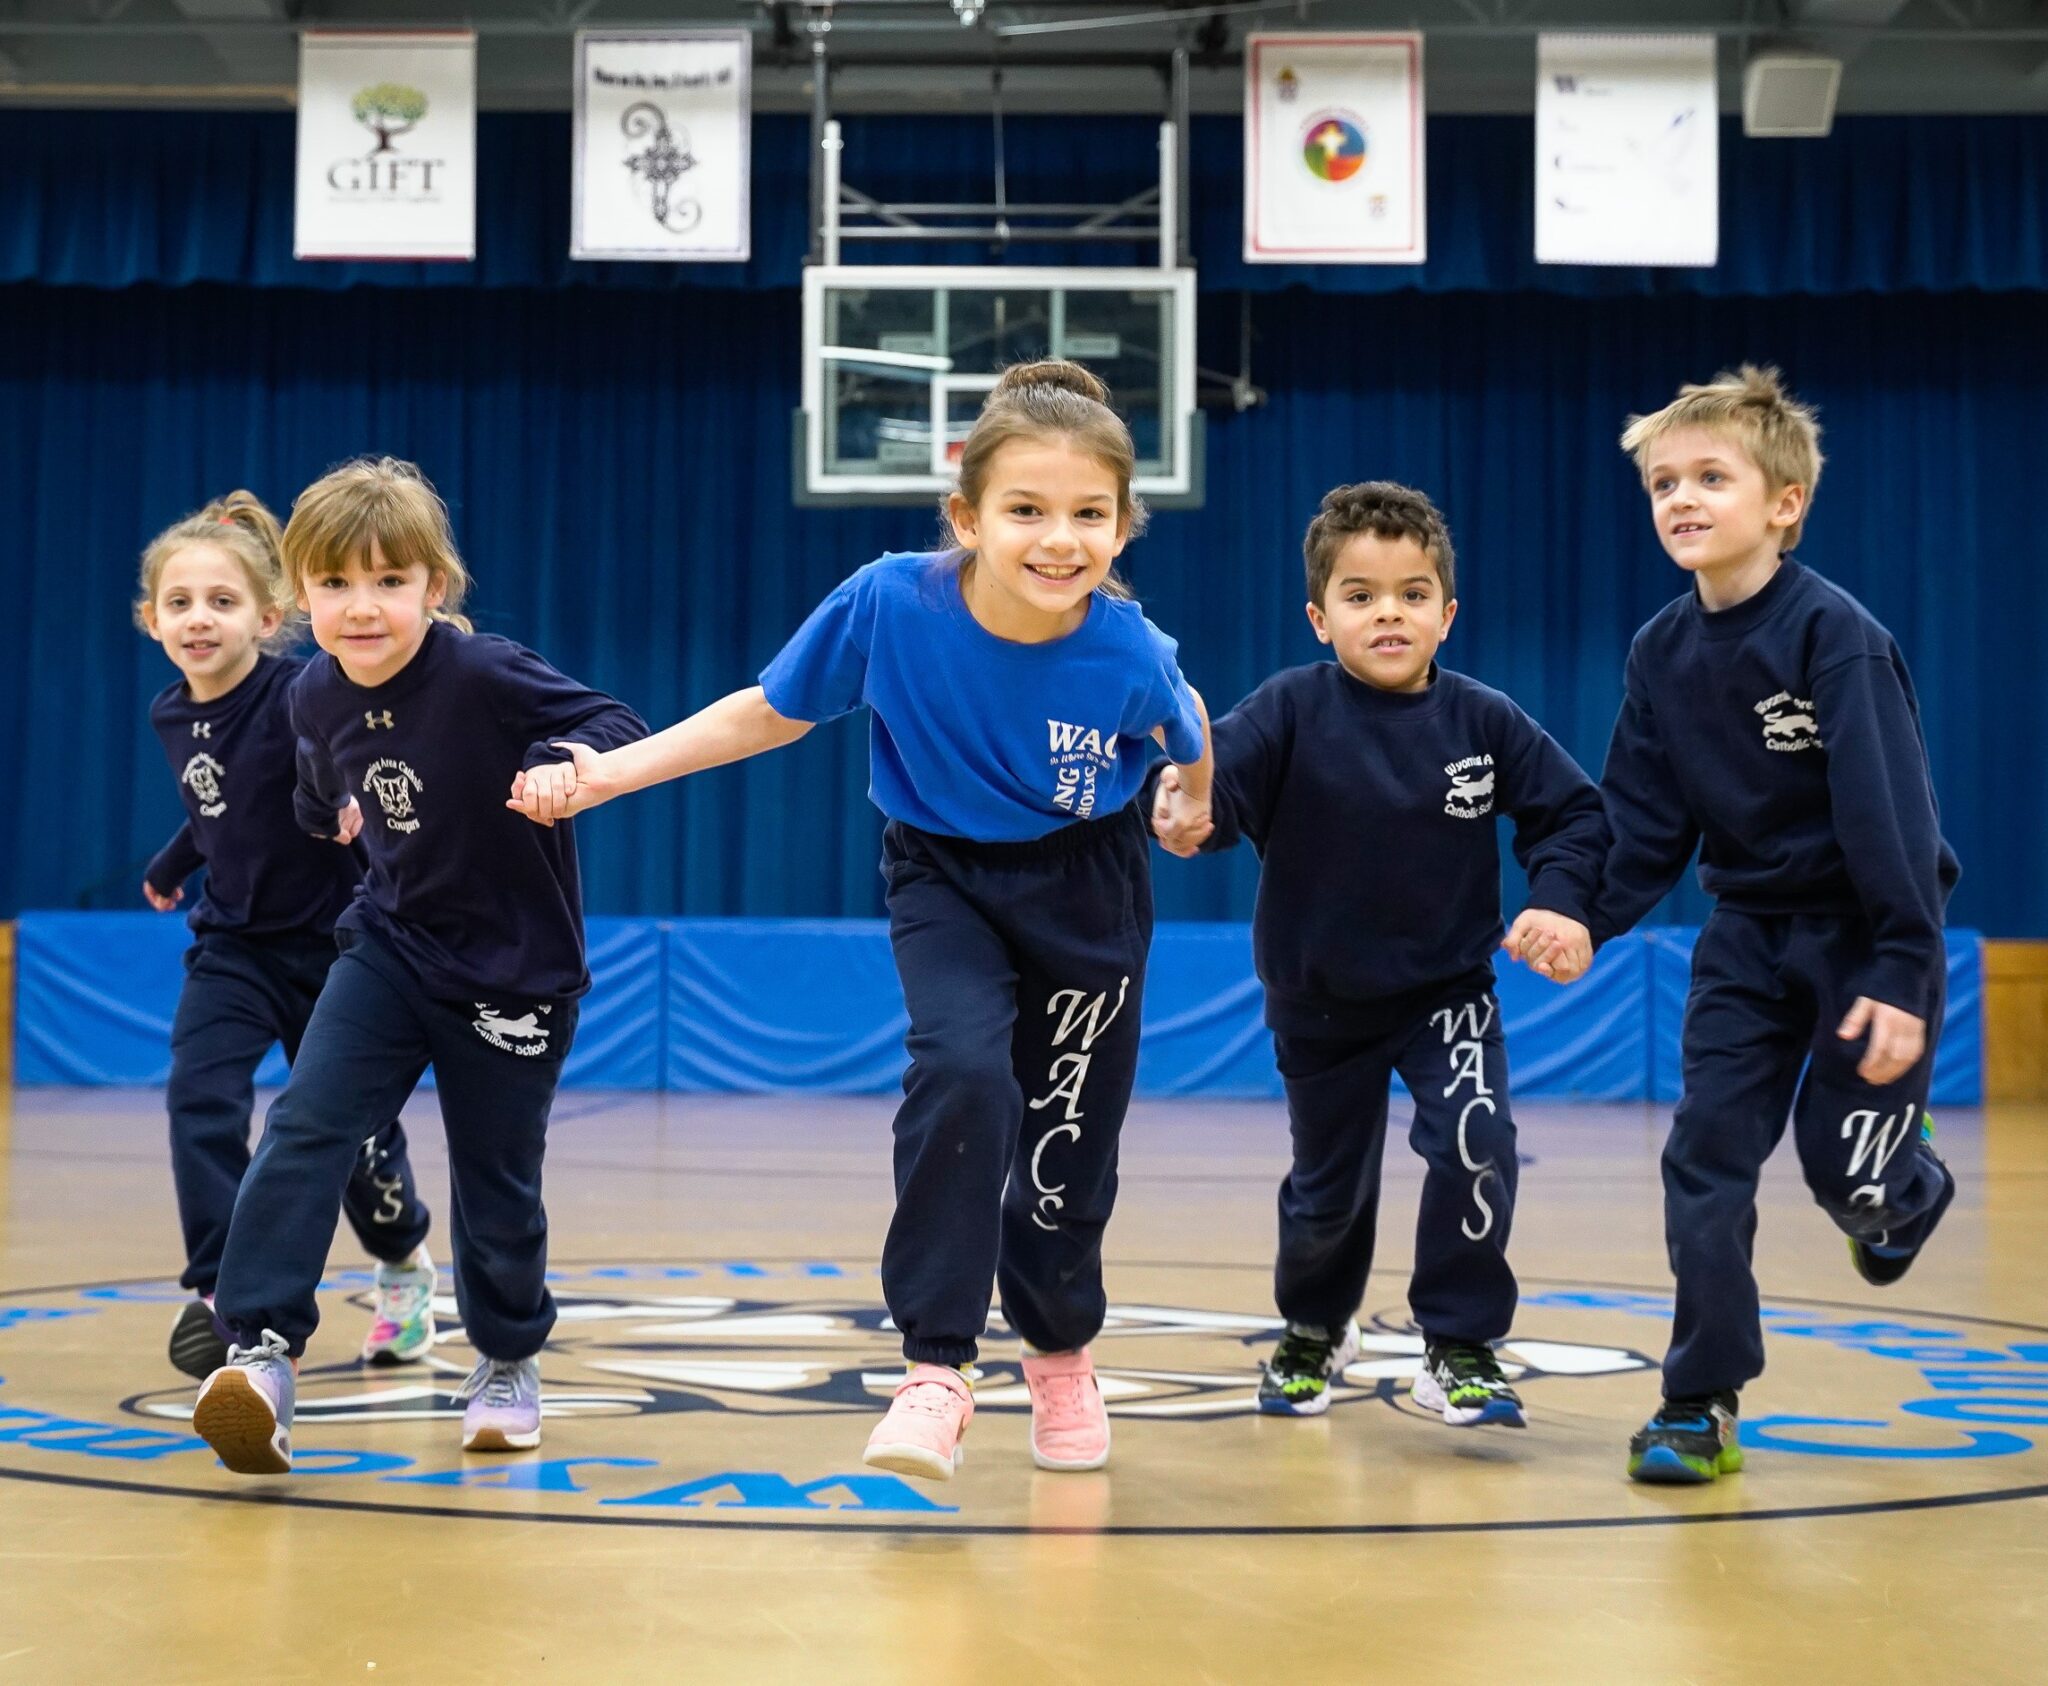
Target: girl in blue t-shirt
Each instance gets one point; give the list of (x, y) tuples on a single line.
[(1012, 683)]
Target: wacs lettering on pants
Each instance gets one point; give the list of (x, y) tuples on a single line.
[(1068, 1073), (1468, 1065), (1877, 1138)]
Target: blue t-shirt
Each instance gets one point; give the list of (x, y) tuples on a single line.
[(975, 736)]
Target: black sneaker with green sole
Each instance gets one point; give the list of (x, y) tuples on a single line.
[(1687, 1442)]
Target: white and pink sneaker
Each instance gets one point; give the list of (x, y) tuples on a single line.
[(928, 1417), (1069, 1423)]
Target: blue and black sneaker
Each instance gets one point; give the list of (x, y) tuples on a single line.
[(1881, 1265), (1688, 1441)]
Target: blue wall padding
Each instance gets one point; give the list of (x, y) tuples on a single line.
[(812, 1007), (808, 1005), (96, 992)]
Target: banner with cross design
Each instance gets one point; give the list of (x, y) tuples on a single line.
[(662, 158)]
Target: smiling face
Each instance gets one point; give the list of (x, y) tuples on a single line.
[(209, 618), (1044, 533), (1384, 611), (372, 616), (1716, 510)]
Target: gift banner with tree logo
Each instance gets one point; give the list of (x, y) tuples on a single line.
[(1333, 149), (387, 146), (662, 163)]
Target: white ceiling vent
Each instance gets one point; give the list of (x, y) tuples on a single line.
[(1789, 93)]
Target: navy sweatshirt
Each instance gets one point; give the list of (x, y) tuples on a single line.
[(234, 762), (1373, 815), (1781, 736), (476, 898)]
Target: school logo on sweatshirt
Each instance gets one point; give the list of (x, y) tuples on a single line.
[(1471, 794), (393, 784), (523, 1035), (203, 774), (1789, 723), (1079, 755)]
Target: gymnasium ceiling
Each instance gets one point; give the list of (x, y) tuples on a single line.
[(1090, 55)]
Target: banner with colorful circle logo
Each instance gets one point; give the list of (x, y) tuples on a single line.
[(1333, 149)]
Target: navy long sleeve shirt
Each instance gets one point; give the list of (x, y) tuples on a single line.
[(1781, 736), (476, 898), (1373, 815), (234, 762)]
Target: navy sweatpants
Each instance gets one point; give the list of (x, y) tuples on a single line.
[(1450, 1053), (240, 995), (373, 1034), (1767, 993), (1023, 966)]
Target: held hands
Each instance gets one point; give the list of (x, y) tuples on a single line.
[(561, 789), (1897, 1039), (163, 904), (1180, 823), (348, 822), (1550, 945)]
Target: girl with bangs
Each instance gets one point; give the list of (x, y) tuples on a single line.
[(213, 596), (463, 949)]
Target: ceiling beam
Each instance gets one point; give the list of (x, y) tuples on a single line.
[(1821, 15), (244, 55)]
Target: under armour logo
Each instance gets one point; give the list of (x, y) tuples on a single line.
[(373, 720), (202, 728)]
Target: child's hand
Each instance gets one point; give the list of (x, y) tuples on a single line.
[(348, 822), (1550, 944), (163, 904), (1180, 823), (561, 789), (1897, 1039)]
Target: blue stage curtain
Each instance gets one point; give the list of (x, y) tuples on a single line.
[(1884, 204), (620, 482)]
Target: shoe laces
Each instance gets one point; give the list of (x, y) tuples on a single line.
[(1303, 1350), (402, 1296), (271, 1346), (495, 1381), (927, 1399), (1067, 1391), (1468, 1364), (1685, 1413)]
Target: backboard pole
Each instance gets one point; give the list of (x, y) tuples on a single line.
[(821, 119), (1169, 169), (831, 147), (1184, 246)]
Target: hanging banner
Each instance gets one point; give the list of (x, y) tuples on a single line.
[(387, 146), (1627, 150), (1333, 149), (662, 162)]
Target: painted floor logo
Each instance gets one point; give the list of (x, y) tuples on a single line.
[(737, 1393)]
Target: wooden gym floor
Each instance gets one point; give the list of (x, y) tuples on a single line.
[(699, 1511)]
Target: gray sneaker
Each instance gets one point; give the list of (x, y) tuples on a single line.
[(244, 1410), (502, 1413)]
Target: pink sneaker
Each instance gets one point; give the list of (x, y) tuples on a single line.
[(921, 1434), (1069, 1424)]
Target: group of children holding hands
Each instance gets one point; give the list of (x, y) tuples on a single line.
[(392, 884)]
